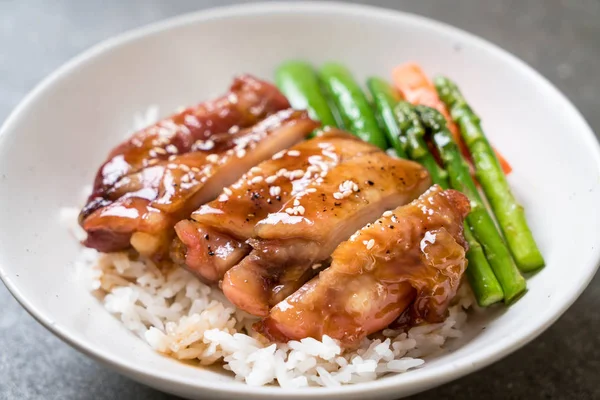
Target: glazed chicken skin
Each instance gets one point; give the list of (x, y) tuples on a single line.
[(213, 240), (141, 208), (288, 244), (248, 101), (413, 256)]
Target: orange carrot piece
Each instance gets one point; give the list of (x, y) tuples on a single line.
[(416, 88), (506, 167)]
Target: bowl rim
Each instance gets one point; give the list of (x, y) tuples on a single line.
[(428, 378)]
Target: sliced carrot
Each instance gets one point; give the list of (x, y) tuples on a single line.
[(506, 167), (416, 88)]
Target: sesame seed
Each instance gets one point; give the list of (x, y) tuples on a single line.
[(171, 158), (212, 158), (195, 169), (185, 178), (152, 161), (223, 197), (204, 144), (240, 153), (295, 210), (348, 186), (172, 149), (370, 244), (282, 172), (316, 266), (159, 150), (388, 214), (277, 156), (296, 202), (296, 174), (271, 179), (311, 190), (257, 179), (255, 170), (338, 196), (274, 190), (293, 153), (184, 167), (227, 191)]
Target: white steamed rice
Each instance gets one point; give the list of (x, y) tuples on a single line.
[(181, 317)]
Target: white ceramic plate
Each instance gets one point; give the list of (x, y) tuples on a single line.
[(52, 144)]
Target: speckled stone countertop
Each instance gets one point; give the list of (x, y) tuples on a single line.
[(561, 39)]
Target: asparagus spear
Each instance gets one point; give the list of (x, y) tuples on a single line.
[(509, 213), (480, 221), (484, 283), (384, 100), (411, 128), (481, 277), (300, 84), (352, 104)]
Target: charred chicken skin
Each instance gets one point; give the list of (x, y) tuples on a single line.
[(411, 258), (213, 240), (166, 171), (288, 244)]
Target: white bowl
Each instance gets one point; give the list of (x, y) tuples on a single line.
[(52, 144)]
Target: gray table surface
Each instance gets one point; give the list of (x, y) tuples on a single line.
[(561, 39)]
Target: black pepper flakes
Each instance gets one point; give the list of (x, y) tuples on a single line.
[(371, 183)]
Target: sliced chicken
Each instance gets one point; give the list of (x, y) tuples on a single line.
[(287, 244), (249, 100), (411, 257), (214, 239), (143, 207)]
